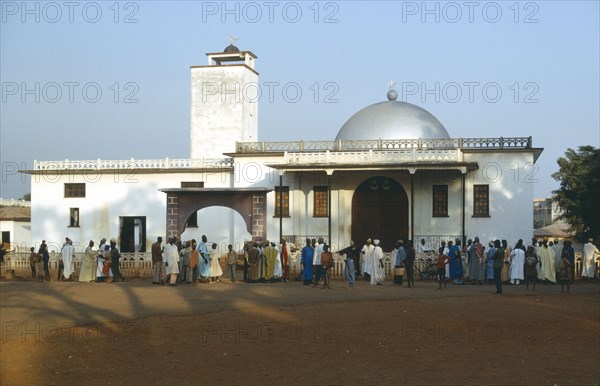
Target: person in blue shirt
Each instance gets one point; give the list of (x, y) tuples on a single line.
[(456, 266), (307, 263)]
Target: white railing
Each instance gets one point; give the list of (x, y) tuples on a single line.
[(434, 242), (133, 164), (373, 156), (386, 144)]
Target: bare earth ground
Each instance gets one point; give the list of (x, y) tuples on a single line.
[(137, 333)]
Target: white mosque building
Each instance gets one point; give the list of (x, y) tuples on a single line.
[(392, 171)]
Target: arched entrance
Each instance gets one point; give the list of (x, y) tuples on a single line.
[(380, 210), (250, 203), (220, 224)]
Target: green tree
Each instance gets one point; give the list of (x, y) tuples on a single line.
[(577, 197), (26, 197)]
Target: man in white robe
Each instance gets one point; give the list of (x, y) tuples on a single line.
[(376, 263), (278, 271), (517, 263), (100, 259), (171, 262), (424, 248), (547, 270), (447, 253), (365, 256), (67, 254), (317, 266), (589, 256), (535, 245)]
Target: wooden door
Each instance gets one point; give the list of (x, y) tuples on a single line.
[(380, 211)]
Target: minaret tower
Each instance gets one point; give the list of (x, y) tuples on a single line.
[(224, 103)]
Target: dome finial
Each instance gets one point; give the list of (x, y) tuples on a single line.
[(232, 39), (392, 94), (231, 48)]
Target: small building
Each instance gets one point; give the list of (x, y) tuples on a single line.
[(15, 225), (391, 171)]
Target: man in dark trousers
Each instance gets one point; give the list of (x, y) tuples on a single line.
[(45, 259), (157, 260), (352, 253), (115, 258), (498, 264), (409, 264)]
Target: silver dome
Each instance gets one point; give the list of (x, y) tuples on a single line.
[(392, 120)]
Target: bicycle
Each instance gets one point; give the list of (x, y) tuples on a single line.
[(429, 272)]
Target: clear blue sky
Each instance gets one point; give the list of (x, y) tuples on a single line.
[(543, 56)]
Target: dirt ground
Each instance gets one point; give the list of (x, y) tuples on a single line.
[(135, 333)]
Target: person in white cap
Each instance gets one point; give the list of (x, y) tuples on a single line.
[(67, 253), (171, 262), (365, 257), (377, 264), (590, 251)]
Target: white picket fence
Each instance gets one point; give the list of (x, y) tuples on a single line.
[(133, 265)]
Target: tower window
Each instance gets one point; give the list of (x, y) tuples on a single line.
[(192, 184), (74, 190)]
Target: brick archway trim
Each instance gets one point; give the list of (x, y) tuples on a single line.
[(250, 203)]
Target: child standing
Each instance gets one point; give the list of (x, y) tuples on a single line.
[(531, 262), (33, 258), (215, 266), (442, 261), (565, 271), (194, 261), (327, 262), (231, 262)]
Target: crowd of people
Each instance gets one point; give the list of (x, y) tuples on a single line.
[(189, 262), (542, 261), (98, 264), (545, 261)]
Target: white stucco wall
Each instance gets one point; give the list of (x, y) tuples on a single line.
[(109, 196), (511, 177), (425, 223), (224, 109)]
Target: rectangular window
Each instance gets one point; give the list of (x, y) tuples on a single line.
[(74, 215), (192, 184), (481, 200), (440, 200), (284, 193), (74, 190), (320, 201)]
